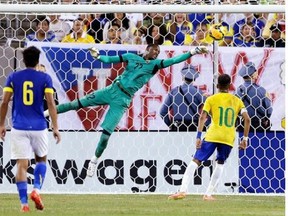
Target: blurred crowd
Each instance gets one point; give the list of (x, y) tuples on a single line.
[(241, 29)]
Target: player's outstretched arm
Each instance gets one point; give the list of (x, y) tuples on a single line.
[(106, 59), (185, 56)]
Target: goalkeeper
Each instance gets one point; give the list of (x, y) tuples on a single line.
[(139, 70)]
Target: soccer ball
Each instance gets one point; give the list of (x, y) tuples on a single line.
[(217, 31)]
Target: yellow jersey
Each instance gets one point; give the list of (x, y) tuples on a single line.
[(223, 109), (85, 38)]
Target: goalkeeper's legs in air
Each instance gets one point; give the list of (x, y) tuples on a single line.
[(119, 103), (74, 105), (65, 107), (101, 146), (110, 122), (99, 97)]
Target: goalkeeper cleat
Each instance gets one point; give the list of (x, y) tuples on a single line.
[(177, 196), (37, 200), (91, 169), (208, 198), (25, 208)]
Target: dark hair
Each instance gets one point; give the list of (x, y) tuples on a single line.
[(151, 45), (111, 24), (41, 19), (250, 24), (124, 21), (163, 35), (224, 81), (31, 56)]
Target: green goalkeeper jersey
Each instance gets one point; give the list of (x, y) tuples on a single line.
[(139, 71)]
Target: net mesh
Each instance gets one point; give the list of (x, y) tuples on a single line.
[(149, 150)]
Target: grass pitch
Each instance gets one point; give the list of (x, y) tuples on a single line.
[(136, 204)]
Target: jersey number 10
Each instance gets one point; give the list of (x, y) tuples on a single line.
[(224, 117)]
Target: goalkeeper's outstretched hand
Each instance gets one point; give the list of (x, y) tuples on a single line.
[(199, 50), (94, 52)]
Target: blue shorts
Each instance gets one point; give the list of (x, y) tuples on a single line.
[(208, 148)]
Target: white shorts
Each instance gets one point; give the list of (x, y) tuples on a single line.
[(24, 142)]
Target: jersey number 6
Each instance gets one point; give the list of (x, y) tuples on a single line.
[(28, 93)]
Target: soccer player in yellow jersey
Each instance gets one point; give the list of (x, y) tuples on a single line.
[(223, 108)]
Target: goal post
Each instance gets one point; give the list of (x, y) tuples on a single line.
[(140, 8), (143, 154)]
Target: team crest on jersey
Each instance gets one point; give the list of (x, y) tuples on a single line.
[(75, 68)]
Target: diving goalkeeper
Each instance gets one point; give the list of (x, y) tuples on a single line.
[(139, 70)]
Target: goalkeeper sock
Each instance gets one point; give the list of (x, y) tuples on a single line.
[(188, 175), (74, 105), (39, 175), (102, 144), (215, 178)]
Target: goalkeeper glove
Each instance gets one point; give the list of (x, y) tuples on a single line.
[(94, 52), (199, 50)]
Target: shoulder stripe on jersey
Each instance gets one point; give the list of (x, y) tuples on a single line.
[(121, 58), (49, 90), (8, 89), (155, 69), (161, 64)]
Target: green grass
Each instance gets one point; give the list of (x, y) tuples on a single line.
[(155, 205)]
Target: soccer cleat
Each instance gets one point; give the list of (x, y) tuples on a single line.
[(25, 208), (208, 198), (91, 169), (177, 196), (37, 200)]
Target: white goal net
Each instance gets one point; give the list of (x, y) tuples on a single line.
[(149, 150)]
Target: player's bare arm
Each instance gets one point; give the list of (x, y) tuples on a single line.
[(3, 112), (53, 114), (245, 116), (201, 122)]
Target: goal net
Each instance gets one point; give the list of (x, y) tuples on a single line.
[(147, 153)]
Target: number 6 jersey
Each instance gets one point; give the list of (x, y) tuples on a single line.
[(28, 87)]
